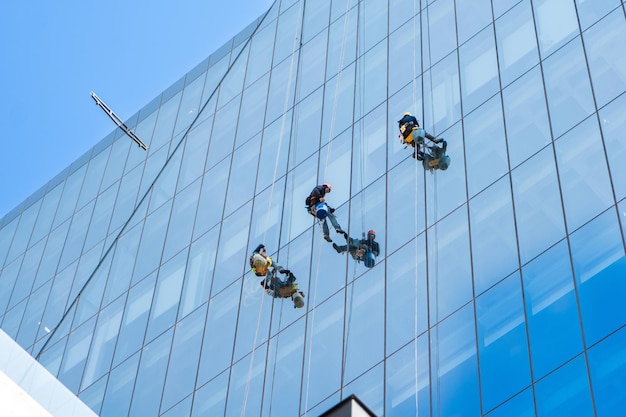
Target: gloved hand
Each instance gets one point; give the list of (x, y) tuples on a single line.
[(332, 210)]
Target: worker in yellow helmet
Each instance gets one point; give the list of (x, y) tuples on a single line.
[(273, 285), (411, 134)]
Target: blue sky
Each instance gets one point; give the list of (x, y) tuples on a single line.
[(55, 53)]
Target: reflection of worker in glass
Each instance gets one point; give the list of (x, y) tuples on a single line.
[(317, 207), (273, 285), (432, 156), (366, 249)]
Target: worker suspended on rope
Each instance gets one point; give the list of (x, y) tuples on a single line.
[(365, 249), (433, 156), (317, 207), (263, 266)]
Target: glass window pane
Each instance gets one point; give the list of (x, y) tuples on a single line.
[(252, 110), (449, 276), (369, 388), (502, 342), (608, 68), (517, 44), (486, 146), (406, 295), (242, 171), (325, 337), (31, 320), (372, 79), (479, 69), (189, 105), (116, 162), (600, 268), (289, 25), (369, 143), (472, 16), (105, 336), (406, 55), (364, 332), (551, 310), (6, 238), (232, 248), (251, 330), (338, 104), (120, 388), (307, 124), (373, 26), (151, 245), (70, 196), (440, 14), (221, 324), (613, 122), (562, 70), (46, 214), (260, 60), (126, 198), (455, 364), (223, 134), (23, 232), (342, 40), (590, 11), (232, 83), (556, 23), (184, 358), (245, 390), (210, 400), (526, 113), (198, 275), (75, 239), (150, 377), (284, 373), (537, 202), (494, 244), (584, 196), (522, 405), (181, 221), (75, 355), (607, 366), (195, 154), (442, 95), (565, 392), (315, 19), (50, 258), (166, 295), (405, 378), (213, 190)]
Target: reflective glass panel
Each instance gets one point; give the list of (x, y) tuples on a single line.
[(522, 405), (219, 334), (562, 70), (584, 196), (245, 390), (150, 377), (454, 366), (599, 268), (590, 11), (607, 368), (180, 226), (556, 22), (526, 113), (442, 95), (260, 60), (372, 79), (120, 388), (373, 25), (551, 310), (312, 63), (166, 295), (608, 69), (198, 275), (479, 69), (516, 41), (537, 203), (450, 277), (440, 14), (184, 358), (252, 110), (613, 122), (405, 56), (503, 346), (565, 392), (494, 247), (484, 138), (472, 16), (210, 400), (364, 325)]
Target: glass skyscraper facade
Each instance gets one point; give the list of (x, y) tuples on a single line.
[(501, 283)]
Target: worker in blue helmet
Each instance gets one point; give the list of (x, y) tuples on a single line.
[(317, 207), (365, 249)]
